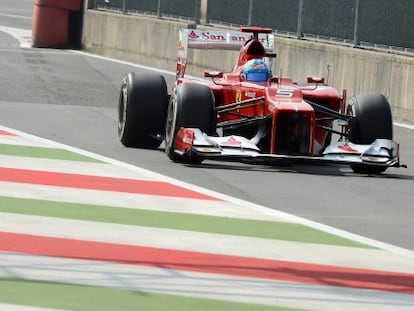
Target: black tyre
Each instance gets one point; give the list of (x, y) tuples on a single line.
[(142, 108), (191, 105), (372, 119)]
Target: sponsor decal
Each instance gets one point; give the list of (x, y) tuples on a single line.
[(238, 99), (347, 148), (218, 36), (180, 45), (238, 96), (192, 35), (250, 94), (231, 142), (284, 93)]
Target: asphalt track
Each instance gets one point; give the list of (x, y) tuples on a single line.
[(69, 97)]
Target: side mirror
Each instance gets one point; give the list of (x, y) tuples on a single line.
[(213, 74)]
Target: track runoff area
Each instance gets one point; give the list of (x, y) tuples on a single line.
[(80, 231), (83, 232)]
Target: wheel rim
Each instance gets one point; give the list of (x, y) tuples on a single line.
[(122, 111), (352, 126), (170, 124)]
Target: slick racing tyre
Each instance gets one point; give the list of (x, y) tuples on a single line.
[(142, 108), (372, 119), (191, 105)]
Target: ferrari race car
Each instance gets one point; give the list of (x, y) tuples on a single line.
[(249, 115)]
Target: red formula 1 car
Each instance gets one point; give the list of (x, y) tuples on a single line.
[(249, 115)]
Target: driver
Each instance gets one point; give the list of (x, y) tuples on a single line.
[(256, 70)]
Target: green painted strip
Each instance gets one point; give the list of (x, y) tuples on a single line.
[(43, 152), (91, 298), (178, 221)]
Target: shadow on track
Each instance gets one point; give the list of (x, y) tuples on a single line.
[(299, 168)]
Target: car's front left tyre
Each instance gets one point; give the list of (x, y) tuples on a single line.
[(142, 108), (191, 106)]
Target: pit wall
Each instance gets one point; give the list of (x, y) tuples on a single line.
[(153, 42)]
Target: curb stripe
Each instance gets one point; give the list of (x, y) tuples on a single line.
[(43, 152), (272, 230), (45, 295), (95, 168), (133, 201), (5, 133), (157, 188), (214, 243), (275, 295), (208, 263)]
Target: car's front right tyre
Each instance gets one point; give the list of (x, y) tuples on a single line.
[(371, 119)]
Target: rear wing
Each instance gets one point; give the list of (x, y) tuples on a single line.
[(218, 40)]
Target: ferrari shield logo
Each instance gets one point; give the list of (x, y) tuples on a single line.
[(238, 96)]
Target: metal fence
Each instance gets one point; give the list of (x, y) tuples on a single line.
[(379, 24)]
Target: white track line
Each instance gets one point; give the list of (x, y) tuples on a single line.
[(10, 307), (15, 16), (24, 36), (407, 126)]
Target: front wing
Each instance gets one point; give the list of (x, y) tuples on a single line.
[(382, 152)]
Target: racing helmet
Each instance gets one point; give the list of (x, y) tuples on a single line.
[(256, 70)]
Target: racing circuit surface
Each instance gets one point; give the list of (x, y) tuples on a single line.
[(71, 97)]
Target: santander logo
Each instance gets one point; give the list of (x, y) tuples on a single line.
[(193, 35), (218, 36)]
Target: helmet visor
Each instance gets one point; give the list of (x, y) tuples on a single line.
[(256, 76)]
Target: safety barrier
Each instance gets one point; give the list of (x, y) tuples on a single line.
[(57, 23)]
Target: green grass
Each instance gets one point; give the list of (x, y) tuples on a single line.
[(168, 220), (93, 298)]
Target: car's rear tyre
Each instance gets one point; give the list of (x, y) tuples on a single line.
[(191, 105), (372, 119), (142, 108)]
